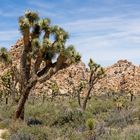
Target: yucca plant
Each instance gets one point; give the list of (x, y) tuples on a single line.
[(96, 73), (41, 55), (4, 56)]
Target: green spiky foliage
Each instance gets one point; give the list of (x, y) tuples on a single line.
[(4, 56), (55, 89), (6, 79), (43, 53), (8, 86), (81, 86), (96, 73), (6, 83), (91, 123)]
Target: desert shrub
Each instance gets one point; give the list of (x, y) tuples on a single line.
[(32, 121), (121, 119), (7, 111), (90, 123), (74, 117), (21, 136), (72, 103), (116, 119), (5, 123), (113, 136), (132, 132), (30, 133), (97, 106), (45, 113), (66, 132)]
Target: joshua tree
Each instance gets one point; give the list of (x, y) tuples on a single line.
[(96, 73), (43, 54), (55, 89), (79, 89), (6, 81), (4, 57)]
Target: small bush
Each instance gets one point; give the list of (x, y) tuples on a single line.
[(120, 119), (7, 112), (97, 106), (132, 132), (32, 121), (5, 123), (30, 133), (21, 136), (90, 124), (69, 116)]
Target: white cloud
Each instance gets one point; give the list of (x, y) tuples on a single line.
[(106, 39), (44, 5), (9, 35)]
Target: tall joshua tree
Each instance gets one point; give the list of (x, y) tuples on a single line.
[(43, 54)]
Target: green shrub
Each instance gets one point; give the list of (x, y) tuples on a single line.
[(91, 123), (69, 116), (97, 106), (7, 111), (30, 133), (132, 132), (5, 123), (120, 119), (21, 136)]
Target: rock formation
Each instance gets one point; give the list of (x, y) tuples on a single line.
[(123, 76)]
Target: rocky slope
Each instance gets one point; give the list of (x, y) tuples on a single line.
[(123, 76)]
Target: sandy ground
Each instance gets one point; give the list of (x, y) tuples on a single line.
[(2, 131)]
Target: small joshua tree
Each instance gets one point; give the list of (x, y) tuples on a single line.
[(4, 57), (96, 73), (55, 89), (6, 81), (41, 56), (91, 126), (79, 89)]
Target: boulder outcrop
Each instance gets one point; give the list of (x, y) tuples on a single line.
[(123, 76)]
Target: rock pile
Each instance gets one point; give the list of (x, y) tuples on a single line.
[(123, 76)]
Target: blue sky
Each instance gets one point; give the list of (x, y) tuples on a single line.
[(105, 30)]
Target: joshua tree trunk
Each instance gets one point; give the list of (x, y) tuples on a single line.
[(131, 98), (24, 96), (21, 104), (87, 97), (79, 99), (6, 100)]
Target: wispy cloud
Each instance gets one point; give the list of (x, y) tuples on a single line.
[(107, 39), (45, 5), (8, 35)]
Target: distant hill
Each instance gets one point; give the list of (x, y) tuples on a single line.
[(123, 76)]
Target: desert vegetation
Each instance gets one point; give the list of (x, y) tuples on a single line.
[(88, 110)]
